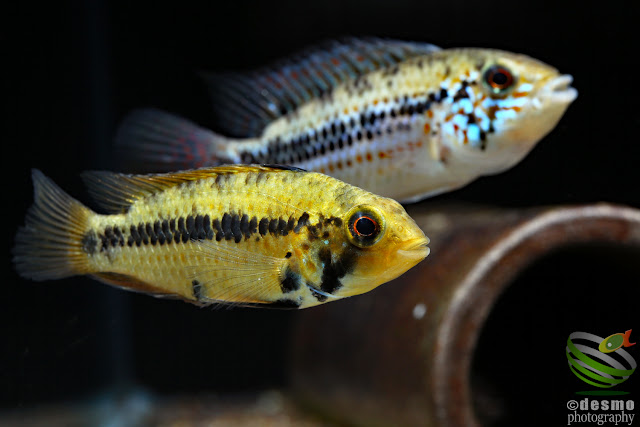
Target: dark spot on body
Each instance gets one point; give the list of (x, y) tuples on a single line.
[(90, 242), (236, 232), (461, 93), (191, 227), (143, 234), (199, 227), (135, 236), (263, 227), (225, 226), (332, 271), (152, 235), (318, 296), (157, 230), (206, 227), (290, 282), (282, 227), (273, 226), (312, 232), (197, 290), (244, 226)]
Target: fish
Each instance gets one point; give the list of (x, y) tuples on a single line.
[(615, 341), (266, 236), (404, 120)]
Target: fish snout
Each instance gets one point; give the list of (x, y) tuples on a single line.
[(559, 90), (415, 249)]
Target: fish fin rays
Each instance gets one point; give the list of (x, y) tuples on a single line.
[(246, 103), (129, 283), (160, 141), (51, 243), (116, 192), (227, 274)]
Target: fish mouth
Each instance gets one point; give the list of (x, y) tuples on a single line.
[(559, 90), (415, 249)]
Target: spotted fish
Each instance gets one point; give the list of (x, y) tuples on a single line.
[(404, 120), (249, 235)]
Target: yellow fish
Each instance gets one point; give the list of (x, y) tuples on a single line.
[(248, 235), (402, 120)]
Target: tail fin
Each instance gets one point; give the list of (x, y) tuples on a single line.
[(151, 140), (50, 245)]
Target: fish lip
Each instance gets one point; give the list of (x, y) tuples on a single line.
[(418, 243), (559, 89), (416, 248)]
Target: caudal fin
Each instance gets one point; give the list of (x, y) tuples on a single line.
[(152, 140), (49, 246)]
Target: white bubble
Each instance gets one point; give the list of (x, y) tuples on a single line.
[(419, 311)]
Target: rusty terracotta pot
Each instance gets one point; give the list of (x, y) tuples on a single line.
[(401, 355)]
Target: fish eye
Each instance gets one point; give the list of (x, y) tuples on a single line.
[(498, 79), (365, 226)]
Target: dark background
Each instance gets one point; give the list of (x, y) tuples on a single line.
[(74, 70)]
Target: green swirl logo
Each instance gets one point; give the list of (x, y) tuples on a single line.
[(600, 362)]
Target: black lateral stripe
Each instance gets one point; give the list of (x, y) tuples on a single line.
[(236, 233), (157, 229), (263, 227), (136, 237), (166, 230), (244, 226), (273, 226), (190, 224), (282, 227), (231, 226), (152, 236), (173, 231), (208, 231), (316, 142), (291, 223), (199, 227), (225, 225), (143, 234), (302, 222), (253, 225)]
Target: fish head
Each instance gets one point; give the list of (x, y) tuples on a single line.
[(499, 105), (375, 242)]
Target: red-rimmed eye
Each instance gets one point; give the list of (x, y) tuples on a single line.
[(365, 226), (498, 78)]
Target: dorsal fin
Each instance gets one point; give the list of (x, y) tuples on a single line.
[(116, 192), (246, 103), (285, 168)]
